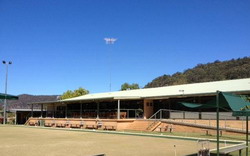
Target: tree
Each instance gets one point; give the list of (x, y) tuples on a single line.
[(127, 86), (70, 94)]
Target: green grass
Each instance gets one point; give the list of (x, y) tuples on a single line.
[(239, 137), (29, 141), (197, 135)]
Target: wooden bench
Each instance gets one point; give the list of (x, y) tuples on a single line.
[(109, 127), (33, 123), (167, 128), (60, 124), (49, 124), (77, 125), (171, 129), (207, 131), (164, 128), (227, 150), (91, 126)]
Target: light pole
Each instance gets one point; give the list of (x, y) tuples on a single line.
[(110, 41), (6, 83)]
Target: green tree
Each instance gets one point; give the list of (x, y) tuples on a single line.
[(127, 86), (70, 94)]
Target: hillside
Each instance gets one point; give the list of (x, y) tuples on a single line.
[(216, 71), (25, 99)]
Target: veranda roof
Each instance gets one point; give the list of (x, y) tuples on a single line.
[(239, 86), (196, 89)]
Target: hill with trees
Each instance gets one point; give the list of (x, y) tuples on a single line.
[(216, 71)]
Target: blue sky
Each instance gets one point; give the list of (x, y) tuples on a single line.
[(56, 45)]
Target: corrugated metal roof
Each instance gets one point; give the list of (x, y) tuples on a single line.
[(235, 86)]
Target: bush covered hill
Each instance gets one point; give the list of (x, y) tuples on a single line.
[(25, 99), (216, 71)]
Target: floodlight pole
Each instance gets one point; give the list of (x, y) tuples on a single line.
[(110, 41), (217, 122), (6, 85)]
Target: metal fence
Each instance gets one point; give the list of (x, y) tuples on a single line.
[(177, 114)]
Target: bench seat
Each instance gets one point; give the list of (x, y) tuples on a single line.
[(33, 123), (109, 127), (228, 150), (48, 124), (76, 125), (60, 124), (91, 126)]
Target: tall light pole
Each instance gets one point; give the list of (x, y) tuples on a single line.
[(110, 41), (6, 83)]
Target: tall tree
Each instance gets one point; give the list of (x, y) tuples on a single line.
[(70, 94), (127, 86)]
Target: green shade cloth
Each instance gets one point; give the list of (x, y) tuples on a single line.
[(8, 97), (235, 102), (226, 100), (196, 105), (192, 105)]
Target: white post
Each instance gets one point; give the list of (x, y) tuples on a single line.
[(15, 117), (32, 109), (66, 111), (118, 109), (41, 110), (98, 110), (175, 150)]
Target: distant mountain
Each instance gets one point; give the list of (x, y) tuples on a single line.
[(216, 71), (25, 99)]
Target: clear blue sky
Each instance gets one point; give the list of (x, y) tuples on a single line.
[(56, 45)]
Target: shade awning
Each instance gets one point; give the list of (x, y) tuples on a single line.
[(8, 97), (226, 100), (192, 105)]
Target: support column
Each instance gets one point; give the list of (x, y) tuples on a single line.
[(98, 110), (53, 110), (32, 110), (66, 111), (81, 110), (15, 117), (118, 109), (41, 110)]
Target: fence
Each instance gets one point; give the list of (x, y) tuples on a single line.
[(176, 114), (227, 121)]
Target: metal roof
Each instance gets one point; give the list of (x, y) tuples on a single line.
[(195, 89), (26, 110)]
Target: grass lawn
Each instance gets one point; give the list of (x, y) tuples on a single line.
[(25, 141)]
